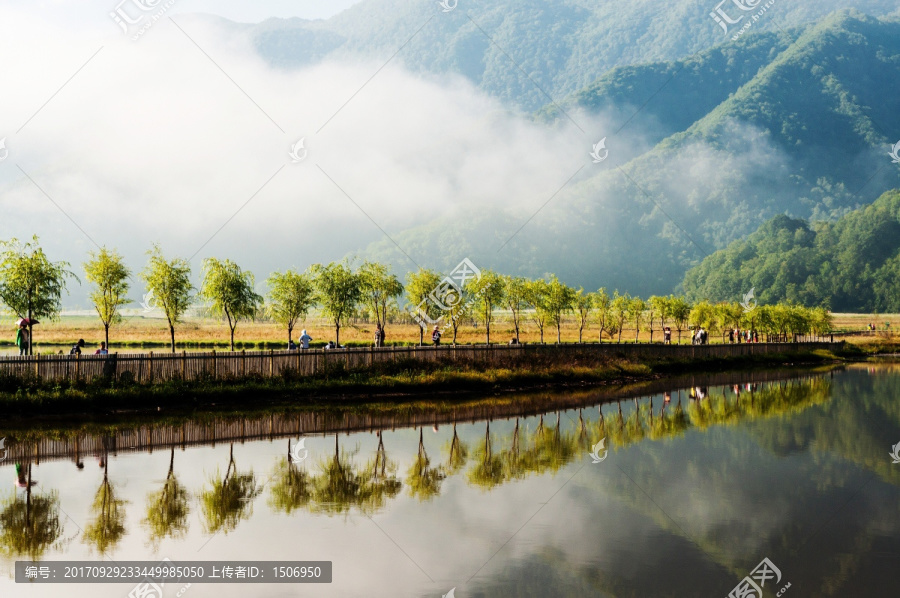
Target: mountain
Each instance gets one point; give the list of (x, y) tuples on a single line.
[(850, 265), (523, 51), (705, 150)]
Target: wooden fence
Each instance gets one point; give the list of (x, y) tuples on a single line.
[(50, 446), (159, 367)]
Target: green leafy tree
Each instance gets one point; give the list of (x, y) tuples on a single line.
[(419, 285), (658, 307), (291, 295), (637, 308), (619, 311), (489, 292), (170, 284), (703, 314), (107, 271), (338, 291), (584, 305), (516, 296), (560, 299), (229, 292), (603, 306), (380, 290), (536, 296), (30, 284), (680, 311)]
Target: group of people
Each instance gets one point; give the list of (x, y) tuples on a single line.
[(304, 339), (743, 336), (77, 347), (701, 336)]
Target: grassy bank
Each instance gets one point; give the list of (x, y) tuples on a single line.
[(395, 381)]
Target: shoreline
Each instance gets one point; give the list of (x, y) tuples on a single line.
[(391, 384)]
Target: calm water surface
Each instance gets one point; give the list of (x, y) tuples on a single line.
[(689, 495)]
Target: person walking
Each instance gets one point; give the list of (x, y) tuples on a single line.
[(22, 340), (102, 350), (667, 336), (76, 348), (436, 336), (305, 339)]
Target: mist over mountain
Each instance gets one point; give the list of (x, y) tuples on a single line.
[(796, 123)]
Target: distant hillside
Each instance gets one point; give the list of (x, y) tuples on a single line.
[(852, 264), (563, 45), (796, 123)]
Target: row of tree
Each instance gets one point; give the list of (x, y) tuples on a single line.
[(32, 286)]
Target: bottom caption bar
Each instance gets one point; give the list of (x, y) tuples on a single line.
[(159, 573)]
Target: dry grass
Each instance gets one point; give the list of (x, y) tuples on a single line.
[(195, 331)]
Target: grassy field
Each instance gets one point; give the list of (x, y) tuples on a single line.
[(152, 333)]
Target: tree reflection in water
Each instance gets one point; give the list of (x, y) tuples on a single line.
[(424, 481), (167, 509), (29, 527), (108, 525), (230, 499)]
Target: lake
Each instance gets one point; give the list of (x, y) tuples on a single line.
[(679, 490)]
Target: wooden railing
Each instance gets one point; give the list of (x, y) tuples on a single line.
[(159, 367)]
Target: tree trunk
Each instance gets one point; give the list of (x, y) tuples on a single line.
[(558, 334), (172, 333), (232, 337), (290, 333), (106, 331), (337, 334), (580, 333), (421, 335)]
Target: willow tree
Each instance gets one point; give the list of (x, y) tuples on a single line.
[(29, 527), (107, 271), (229, 499), (229, 291), (488, 470), (380, 290), (619, 311), (170, 284), (583, 304), (291, 296), (680, 311), (30, 284), (458, 453), (488, 292), (559, 301), (536, 297), (419, 285), (515, 298), (167, 509), (603, 306), (637, 308), (340, 486), (108, 526), (338, 291)]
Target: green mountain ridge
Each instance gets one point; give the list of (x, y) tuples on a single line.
[(852, 264), (561, 46)]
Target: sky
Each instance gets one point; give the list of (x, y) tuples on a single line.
[(186, 137)]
